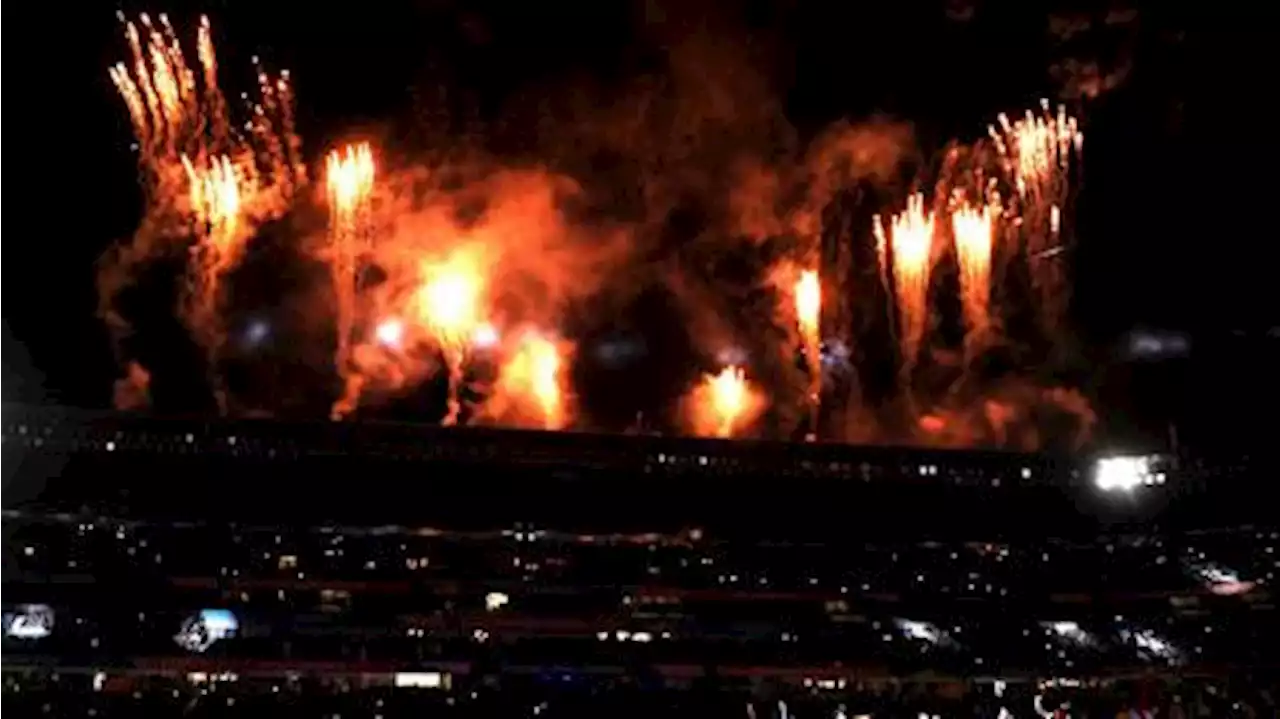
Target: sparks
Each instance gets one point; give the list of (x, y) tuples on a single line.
[(349, 180), (907, 244), (1035, 153), (724, 402), (974, 236), (808, 300), (198, 171)]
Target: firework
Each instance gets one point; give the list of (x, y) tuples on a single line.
[(531, 382), (467, 257), (180, 121), (1035, 153), (449, 307), (202, 176), (349, 178), (973, 231), (216, 195), (724, 403), (906, 244), (808, 301)]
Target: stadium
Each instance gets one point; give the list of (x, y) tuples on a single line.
[(165, 565)]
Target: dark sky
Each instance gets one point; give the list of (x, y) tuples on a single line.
[(1174, 228)]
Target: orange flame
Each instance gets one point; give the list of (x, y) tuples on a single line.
[(724, 403)]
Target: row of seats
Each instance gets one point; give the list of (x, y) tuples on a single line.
[(684, 565)]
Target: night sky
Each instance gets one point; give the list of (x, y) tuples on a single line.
[(1174, 225)]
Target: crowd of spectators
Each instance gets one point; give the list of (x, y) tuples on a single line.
[(527, 596)]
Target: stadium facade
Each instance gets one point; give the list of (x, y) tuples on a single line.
[(456, 563)]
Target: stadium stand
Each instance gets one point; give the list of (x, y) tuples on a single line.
[(171, 567)]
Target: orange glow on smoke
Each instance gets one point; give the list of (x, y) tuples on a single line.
[(448, 306), (448, 302), (439, 266), (533, 379)]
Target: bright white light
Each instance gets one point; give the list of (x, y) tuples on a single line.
[(494, 601), (257, 332), (1069, 631), (485, 336), (30, 621), (425, 680), (1223, 581), (922, 631), (1122, 474), (389, 332), (200, 631), (1151, 645)]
